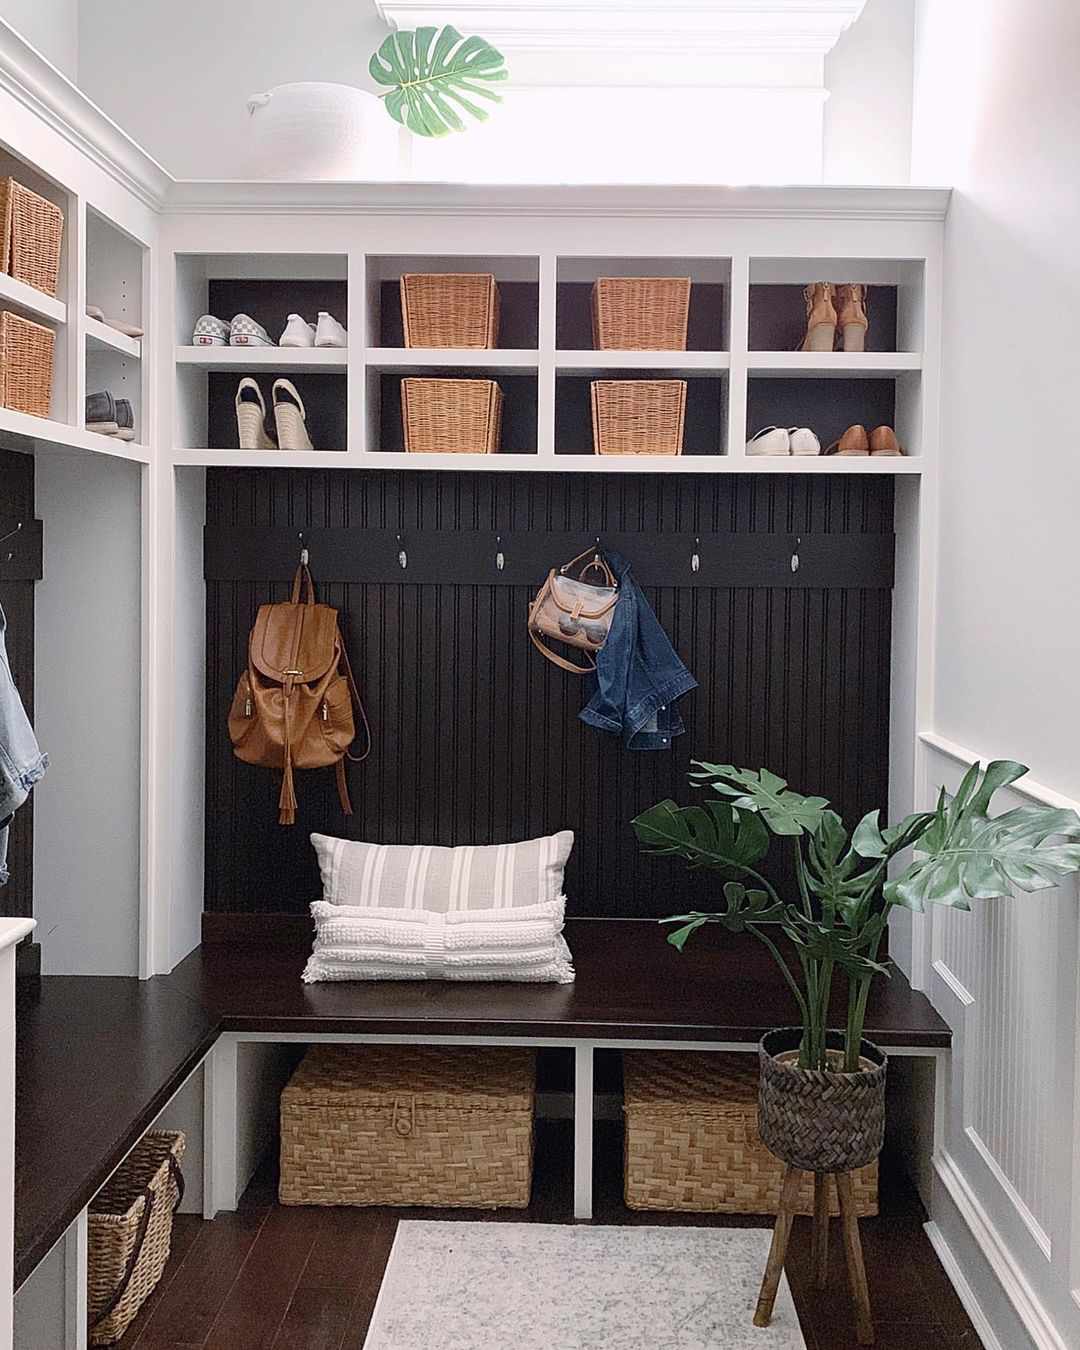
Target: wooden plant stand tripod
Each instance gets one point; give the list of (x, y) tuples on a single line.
[(819, 1248)]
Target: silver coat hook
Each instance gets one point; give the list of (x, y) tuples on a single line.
[(695, 557), (500, 557), (795, 555), (303, 550), (402, 557), (11, 533)]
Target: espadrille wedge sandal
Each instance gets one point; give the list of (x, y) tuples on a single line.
[(251, 417), (291, 417), (820, 317), (851, 315)]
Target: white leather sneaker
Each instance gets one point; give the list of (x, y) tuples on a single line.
[(770, 441), (803, 441), (298, 333), (330, 333)]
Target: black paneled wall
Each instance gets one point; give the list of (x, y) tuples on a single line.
[(477, 738)]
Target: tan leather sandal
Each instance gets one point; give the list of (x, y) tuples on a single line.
[(851, 317), (854, 441), (883, 442), (820, 317)]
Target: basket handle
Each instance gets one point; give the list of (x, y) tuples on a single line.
[(177, 1177)]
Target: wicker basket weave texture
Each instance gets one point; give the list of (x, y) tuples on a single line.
[(451, 417), (450, 309), (692, 1139), (638, 417), (26, 365), (640, 314), (409, 1125), (31, 233), (114, 1220)]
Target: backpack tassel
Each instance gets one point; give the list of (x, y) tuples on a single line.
[(287, 800)]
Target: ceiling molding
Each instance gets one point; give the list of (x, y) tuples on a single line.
[(804, 27)]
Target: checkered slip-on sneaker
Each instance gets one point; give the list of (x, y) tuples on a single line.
[(245, 332), (210, 332)]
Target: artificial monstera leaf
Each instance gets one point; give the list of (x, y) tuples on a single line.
[(871, 841), (743, 906), (970, 855), (434, 75), (713, 836), (763, 792), (847, 951)]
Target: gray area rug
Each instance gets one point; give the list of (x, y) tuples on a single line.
[(525, 1286)]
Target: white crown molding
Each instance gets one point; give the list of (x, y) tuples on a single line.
[(458, 199), (619, 26), (37, 84)]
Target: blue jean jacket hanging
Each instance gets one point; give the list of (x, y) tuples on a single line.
[(638, 673), (21, 762)]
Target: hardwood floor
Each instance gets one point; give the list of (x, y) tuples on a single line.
[(307, 1278)]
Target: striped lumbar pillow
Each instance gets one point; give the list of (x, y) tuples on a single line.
[(365, 943), (443, 880)]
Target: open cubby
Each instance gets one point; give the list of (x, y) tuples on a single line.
[(324, 396), (114, 270), (270, 302), (519, 296), (13, 167), (519, 410), (267, 286), (827, 406), (704, 427), (121, 376), (777, 319), (707, 324)]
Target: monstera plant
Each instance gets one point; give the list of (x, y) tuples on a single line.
[(836, 921), (434, 75)]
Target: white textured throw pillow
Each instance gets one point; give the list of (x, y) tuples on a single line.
[(367, 943), (443, 880)]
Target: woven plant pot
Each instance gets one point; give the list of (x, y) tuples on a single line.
[(815, 1120)]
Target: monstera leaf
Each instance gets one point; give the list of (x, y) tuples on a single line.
[(784, 811), (973, 856), (742, 906), (430, 72), (712, 836)]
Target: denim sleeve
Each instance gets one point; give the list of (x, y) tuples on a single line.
[(21, 761)]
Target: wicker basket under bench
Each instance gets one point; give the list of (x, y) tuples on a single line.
[(692, 1139), (409, 1125)]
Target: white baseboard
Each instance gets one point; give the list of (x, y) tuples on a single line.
[(964, 1291)]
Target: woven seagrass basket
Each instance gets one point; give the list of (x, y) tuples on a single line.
[(31, 232), (450, 309), (638, 417), (817, 1120), (409, 1125), (451, 417), (130, 1230), (692, 1142), (26, 365), (640, 314)]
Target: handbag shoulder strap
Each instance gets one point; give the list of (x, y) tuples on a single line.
[(597, 563), (556, 659)]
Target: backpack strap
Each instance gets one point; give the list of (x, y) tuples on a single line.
[(303, 575), (356, 759), (287, 799)]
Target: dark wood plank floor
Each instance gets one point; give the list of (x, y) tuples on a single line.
[(306, 1279)]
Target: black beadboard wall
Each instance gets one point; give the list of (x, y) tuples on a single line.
[(477, 738)]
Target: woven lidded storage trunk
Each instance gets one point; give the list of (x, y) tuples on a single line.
[(640, 314), (129, 1232), (692, 1139), (450, 309), (638, 417), (26, 365), (31, 231), (451, 417), (409, 1125)]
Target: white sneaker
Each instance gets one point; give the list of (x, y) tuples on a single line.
[(245, 332), (208, 331), (298, 333), (770, 441), (329, 332), (803, 441)]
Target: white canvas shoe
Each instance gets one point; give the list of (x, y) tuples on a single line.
[(298, 332), (245, 332), (803, 441), (330, 333), (770, 441)]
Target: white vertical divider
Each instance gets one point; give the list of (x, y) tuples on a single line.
[(76, 1316), (545, 372), (75, 392), (738, 342), (357, 323)]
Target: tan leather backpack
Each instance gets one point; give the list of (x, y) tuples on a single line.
[(293, 706)]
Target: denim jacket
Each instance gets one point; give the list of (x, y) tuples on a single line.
[(638, 673), (21, 762)]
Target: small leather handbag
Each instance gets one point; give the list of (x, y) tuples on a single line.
[(574, 611)]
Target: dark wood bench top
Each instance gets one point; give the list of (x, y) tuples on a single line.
[(98, 1058)]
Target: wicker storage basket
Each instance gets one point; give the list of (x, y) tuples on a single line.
[(451, 417), (26, 364), (640, 314), (31, 230), (638, 417), (409, 1125), (692, 1139), (450, 309), (130, 1228)]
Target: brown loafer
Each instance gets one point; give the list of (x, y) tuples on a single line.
[(854, 441), (883, 442)]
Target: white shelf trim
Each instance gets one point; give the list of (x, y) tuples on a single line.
[(102, 337), (833, 363), (30, 299), (326, 359), (584, 362), (460, 358), (42, 431)]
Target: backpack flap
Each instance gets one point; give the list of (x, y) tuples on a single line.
[(296, 639)]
